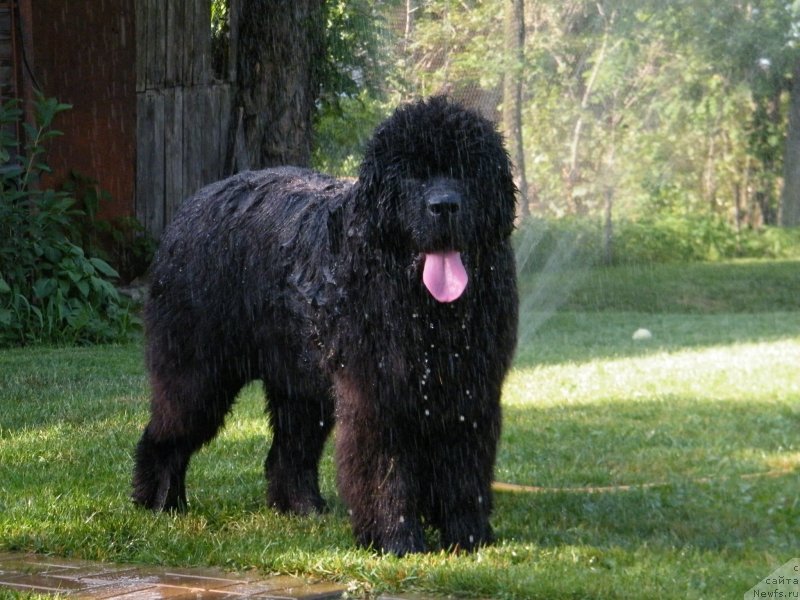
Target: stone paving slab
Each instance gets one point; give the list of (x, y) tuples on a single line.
[(99, 581)]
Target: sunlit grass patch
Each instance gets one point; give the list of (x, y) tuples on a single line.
[(667, 416)]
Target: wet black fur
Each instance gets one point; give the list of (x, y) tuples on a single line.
[(313, 285)]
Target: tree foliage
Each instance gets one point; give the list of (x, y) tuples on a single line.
[(633, 109)]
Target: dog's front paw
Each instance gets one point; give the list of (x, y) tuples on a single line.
[(407, 537), (467, 535), (404, 542)]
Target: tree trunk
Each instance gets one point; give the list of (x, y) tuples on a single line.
[(278, 48), (790, 197), (572, 173), (410, 10), (610, 188), (608, 226), (512, 95)]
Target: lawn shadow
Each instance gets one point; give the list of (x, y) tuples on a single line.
[(42, 387), (717, 515), (633, 474), (577, 337)]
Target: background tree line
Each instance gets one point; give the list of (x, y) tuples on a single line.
[(680, 111)]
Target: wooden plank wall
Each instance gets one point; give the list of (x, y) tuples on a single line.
[(8, 88), (183, 113), (8, 75)]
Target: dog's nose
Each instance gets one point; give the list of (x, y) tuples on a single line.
[(444, 202)]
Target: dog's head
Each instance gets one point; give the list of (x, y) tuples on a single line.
[(438, 183)]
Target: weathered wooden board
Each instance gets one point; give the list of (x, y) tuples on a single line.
[(183, 115), (173, 152), (176, 41), (156, 40), (150, 161)]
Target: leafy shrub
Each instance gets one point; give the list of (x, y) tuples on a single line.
[(122, 242), (692, 238), (770, 242), (50, 291), (547, 244), (557, 244), (664, 239)]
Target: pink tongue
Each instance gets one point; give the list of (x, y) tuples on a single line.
[(444, 275)]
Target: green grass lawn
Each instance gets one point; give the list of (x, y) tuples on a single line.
[(691, 441)]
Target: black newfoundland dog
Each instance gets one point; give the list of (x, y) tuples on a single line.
[(387, 305)]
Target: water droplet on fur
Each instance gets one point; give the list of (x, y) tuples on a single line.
[(425, 397), (471, 539), (456, 355), (461, 418), (427, 413), (480, 499), (433, 345), (322, 423), (474, 424), (430, 325), (402, 519)]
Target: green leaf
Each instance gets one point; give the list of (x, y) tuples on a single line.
[(103, 267), (44, 287), (30, 131), (83, 287), (52, 254), (75, 276), (4, 287), (104, 288), (10, 171)]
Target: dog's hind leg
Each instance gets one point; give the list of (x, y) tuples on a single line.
[(300, 426), (186, 412)]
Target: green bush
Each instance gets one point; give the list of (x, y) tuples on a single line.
[(663, 239), (546, 244), (50, 291), (122, 242), (557, 244), (692, 238), (770, 242)]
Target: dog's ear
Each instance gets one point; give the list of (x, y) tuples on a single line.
[(335, 229), (369, 179)]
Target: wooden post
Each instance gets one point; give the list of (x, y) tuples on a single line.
[(26, 44)]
